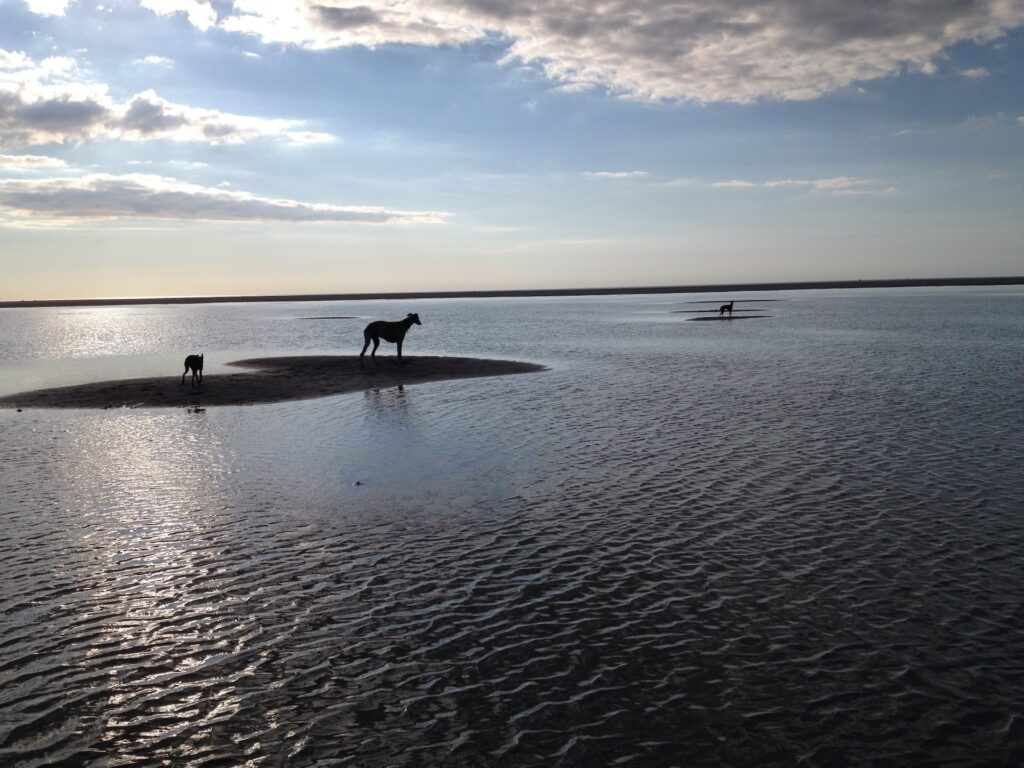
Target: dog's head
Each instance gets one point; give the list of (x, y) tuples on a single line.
[(414, 317)]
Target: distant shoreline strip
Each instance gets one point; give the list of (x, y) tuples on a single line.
[(540, 292)]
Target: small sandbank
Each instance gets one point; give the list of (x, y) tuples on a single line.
[(724, 319), (271, 380), (710, 311)]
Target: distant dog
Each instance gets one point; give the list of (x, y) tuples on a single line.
[(195, 364), (389, 331), (725, 308)]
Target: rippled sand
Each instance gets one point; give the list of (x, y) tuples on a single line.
[(789, 542)]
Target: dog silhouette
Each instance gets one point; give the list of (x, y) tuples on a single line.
[(195, 363), (389, 331)]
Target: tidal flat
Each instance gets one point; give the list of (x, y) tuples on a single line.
[(790, 541)]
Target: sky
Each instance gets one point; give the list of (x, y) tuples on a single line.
[(238, 147)]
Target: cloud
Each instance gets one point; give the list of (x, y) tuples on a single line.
[(838, 185), (141, 196), (50, 102), (729, 50), (734, 184), (30, 163), (47, 7), (201, 14), (616, 174), (824, 185), (155, 61), (335, 24), (975, 73), (300, 138)]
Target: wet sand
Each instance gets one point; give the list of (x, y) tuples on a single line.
[(271, 380), (741, 317)]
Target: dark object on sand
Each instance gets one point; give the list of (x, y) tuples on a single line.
[(393, 331), (725, 307), (195, 364)]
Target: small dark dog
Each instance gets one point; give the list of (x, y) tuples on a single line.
[(725, 308), (195, 363)]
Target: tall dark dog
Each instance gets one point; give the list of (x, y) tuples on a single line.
[(389, 331), (725, 308), (195, 363)]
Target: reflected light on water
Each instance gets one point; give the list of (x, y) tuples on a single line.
[(147, 483)]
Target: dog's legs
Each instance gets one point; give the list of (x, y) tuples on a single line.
[(399, 342), (184, 375), (373, 353)]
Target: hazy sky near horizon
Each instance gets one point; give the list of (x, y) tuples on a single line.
[(189, 147)]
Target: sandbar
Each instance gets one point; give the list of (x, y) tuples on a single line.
[(741, 317), (711, 311), (268, 380)]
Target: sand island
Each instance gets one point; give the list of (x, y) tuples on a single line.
[(269, 380)]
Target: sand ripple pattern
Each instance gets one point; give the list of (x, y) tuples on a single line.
[(796, 544)]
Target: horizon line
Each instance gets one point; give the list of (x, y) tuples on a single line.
[(524, 293)]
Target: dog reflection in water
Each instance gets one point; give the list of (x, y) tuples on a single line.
[(195, 364)]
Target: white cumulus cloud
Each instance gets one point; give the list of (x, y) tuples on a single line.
[(156, 61), (201, 14), (48, 7), (142, 196)]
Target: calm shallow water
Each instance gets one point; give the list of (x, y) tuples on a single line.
[(794, 540)]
